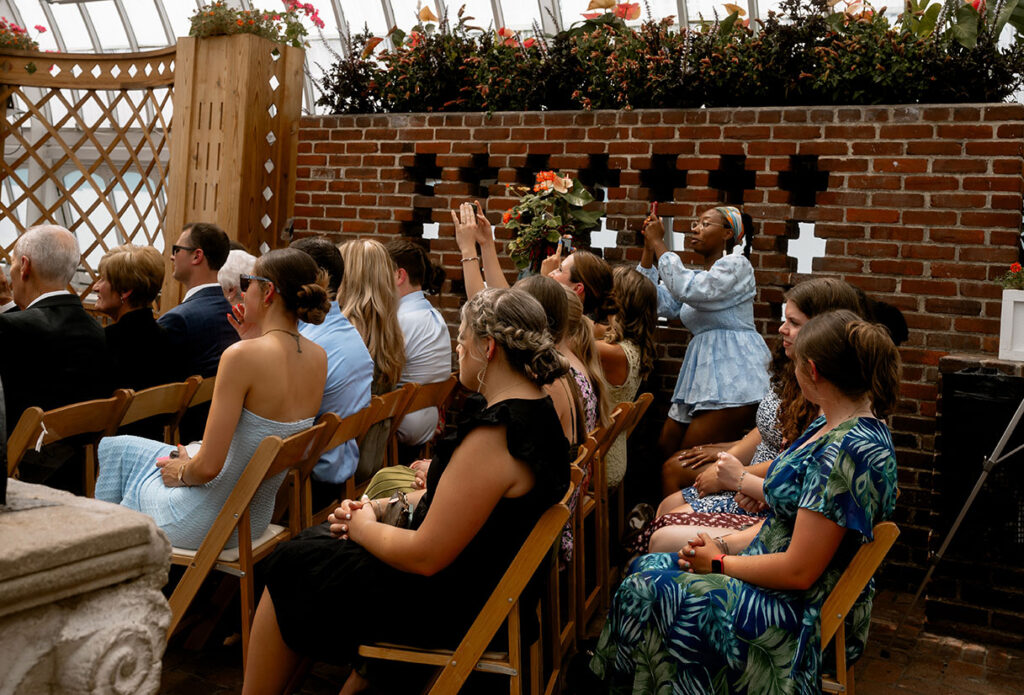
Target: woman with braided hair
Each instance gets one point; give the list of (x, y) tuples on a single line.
[(489, 484), (725, 371)]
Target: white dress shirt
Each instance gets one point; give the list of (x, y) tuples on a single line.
[(428, 359)]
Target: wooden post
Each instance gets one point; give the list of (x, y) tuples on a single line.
[(237, 103)]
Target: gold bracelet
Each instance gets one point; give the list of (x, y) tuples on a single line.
[(181, 474)]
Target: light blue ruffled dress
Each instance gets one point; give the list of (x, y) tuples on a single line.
[(726, 363), (128, 476)]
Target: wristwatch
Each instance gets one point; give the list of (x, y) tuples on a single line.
[(718, 564)]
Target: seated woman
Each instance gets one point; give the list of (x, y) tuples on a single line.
[(472, 228), (627, 352), (250, 402), (782, 416), (129, 282), (489, 485), (589, 374), (754, 622), (369, 300), (725, 371), (240, 262)]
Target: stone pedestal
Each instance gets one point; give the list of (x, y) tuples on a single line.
[(81, 609)]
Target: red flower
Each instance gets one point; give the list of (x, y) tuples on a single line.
[(508, 35), (506, 217), (528, 43), (591, 15), (40, 28), (415, 38), (1015, 267), (978, 5), (627, 10)]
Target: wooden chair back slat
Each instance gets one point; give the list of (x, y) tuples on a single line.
[(167, 399), (204, 393)]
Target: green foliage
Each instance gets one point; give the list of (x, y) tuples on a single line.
[(283, 26), (13, 36), (808, 53)]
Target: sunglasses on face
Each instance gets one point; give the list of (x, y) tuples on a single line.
[(244, 280), (175, 248)]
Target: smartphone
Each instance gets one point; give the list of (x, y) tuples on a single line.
[(565, 244)]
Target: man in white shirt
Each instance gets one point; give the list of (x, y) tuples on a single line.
[(428, 344)]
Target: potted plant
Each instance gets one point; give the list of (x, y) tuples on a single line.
[(551, 210), (1011, 321)]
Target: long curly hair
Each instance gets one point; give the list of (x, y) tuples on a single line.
[(368, 299), (637, 317)]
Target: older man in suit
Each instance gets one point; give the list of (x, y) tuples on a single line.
[(198, 328), (52, 352)]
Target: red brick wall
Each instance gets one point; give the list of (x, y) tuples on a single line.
[(922, 209)]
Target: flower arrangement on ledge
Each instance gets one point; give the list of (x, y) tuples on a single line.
[(1013, 279), (553, 208), (284, 26), (811, 52), (13, 36)]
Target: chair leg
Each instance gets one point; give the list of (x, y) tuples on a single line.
[(515, 655), (849, 681), (248, 609)]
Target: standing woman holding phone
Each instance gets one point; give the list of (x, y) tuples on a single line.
[(725, 371)]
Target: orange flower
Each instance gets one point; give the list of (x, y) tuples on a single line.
[(239, 22), (628, 10), (506, 217), (1015, 267)]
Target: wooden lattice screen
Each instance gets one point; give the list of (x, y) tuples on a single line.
[(86, 146)]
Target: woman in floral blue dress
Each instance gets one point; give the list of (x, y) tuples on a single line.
[(753, 625)]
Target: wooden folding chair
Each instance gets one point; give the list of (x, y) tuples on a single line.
[(273, 456), (386, 407), (558, 615), (433, 395), (203, 394), (349, 428), (640, 406), (840, 601), (501, 608), (168, 400), (594, 599), (99, 418)]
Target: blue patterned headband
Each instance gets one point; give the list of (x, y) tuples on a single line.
[(735, 220)]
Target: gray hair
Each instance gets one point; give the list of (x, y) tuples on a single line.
[(238, 262), (53, 251)]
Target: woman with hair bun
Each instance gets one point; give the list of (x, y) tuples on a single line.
[(185, 493), (725, 371), (488, 485), (741, 613)]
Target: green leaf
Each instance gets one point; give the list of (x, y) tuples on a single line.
[(1009, 9), (965, 30), (1017, 18), (725, 27), (578, 195), (927, 24), (553, 236), (397, 36), (836, 21)]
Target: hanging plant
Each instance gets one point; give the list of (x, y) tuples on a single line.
[(286, 26)]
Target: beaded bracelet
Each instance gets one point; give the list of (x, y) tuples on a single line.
[(739, 486), (474, 258)]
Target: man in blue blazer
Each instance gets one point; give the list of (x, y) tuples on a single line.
[(198, 328)]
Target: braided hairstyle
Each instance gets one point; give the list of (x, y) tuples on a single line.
[(516, 322), (854, 355)]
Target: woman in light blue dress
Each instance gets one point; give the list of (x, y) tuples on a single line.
[(725, 370), (269, 383)]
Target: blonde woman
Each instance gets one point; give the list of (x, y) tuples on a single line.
[(368, 299), (579, 336)]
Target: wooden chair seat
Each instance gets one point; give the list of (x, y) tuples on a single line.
[(228, 559)]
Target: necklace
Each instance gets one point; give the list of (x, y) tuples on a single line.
[(298, 345)]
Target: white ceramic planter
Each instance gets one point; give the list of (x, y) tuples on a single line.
[(1011, 326)]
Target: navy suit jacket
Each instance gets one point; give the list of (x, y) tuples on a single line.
[(199, 332), (52, 354)]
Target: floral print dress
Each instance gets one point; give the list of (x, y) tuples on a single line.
[(673, 632)]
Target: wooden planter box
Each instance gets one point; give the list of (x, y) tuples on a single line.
[(237, 103)]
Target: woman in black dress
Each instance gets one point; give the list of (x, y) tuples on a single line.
[(486, 489), (129, 282)]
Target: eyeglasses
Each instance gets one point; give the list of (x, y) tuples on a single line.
[(705, 224), (243, 281), (175, 248)]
